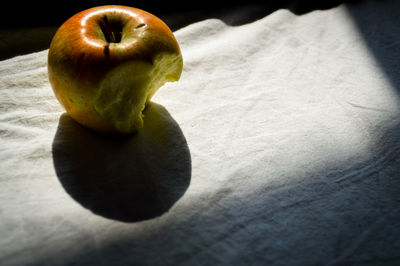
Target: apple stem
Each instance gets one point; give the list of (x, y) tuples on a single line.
[(111, 31)]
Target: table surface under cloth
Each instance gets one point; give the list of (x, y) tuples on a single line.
[(280, 145)]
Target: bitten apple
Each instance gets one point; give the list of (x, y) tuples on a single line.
[(105, 64)]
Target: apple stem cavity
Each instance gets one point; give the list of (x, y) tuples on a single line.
[(112, 31)]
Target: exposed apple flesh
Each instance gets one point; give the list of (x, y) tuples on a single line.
[(122, 96), (106, 63)]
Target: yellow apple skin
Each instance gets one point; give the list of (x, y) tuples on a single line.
[(105, 64)]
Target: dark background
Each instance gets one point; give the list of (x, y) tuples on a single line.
[(29, 27), (54, 13)]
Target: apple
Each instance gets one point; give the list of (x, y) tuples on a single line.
[(106, 63)]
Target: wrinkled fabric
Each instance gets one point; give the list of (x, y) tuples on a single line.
[(278, 146)]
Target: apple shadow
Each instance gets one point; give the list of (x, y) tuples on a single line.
[(125, 178)]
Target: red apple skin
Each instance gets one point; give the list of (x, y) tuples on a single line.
[(79, 57)]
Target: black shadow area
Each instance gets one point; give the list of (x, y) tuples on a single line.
[(378, 23), (126, 178)]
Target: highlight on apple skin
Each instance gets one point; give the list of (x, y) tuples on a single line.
[(106, 63)]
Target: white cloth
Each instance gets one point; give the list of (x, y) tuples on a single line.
[(278, 146)]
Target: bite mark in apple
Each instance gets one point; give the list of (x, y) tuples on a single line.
[(140, 25)]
